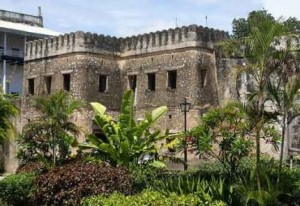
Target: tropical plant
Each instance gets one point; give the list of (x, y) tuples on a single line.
[(263, 57), (126, 141), (226, 135), (7, 111), (215, 188), (248, 193), (284, 98), (51, 135)]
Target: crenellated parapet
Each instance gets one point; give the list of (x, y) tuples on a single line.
[(190, 36), (70, 43)]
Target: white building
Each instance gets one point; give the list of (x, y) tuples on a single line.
[(15, 30)]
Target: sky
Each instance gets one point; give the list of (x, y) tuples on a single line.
[(123, 18)]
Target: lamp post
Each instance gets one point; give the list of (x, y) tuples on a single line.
[(185, 107)]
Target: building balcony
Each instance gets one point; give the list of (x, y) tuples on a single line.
[(13, 55)]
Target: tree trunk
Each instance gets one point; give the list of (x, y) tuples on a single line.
[(281, 149), (258, 128), (258, 159)]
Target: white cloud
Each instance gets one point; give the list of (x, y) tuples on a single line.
[(282, 8)]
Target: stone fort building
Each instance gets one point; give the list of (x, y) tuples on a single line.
[(162, 68)]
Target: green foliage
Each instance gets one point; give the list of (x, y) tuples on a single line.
[(150, 198), (248, 193), (7, 111), (229, 130), (68, 184), (49, 137), (242, 27), (292, 24), (284, 96), (126, 141), (15, 189), (214, 188), (145, 176), (262, 61)]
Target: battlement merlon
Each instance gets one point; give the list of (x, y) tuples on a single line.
[(190, 36)]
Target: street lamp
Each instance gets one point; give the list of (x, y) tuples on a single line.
[(185, 107)]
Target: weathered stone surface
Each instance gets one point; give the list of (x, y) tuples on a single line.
[(188, 50)]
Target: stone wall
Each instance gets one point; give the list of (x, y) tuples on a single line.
[(188, 50)]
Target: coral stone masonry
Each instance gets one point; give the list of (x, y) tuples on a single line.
[(162, 68)]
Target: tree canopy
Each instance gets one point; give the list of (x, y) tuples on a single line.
[(241, 27)]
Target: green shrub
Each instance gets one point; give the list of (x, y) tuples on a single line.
[(15, 189), (144, 177), (149, 198), (69, 183)]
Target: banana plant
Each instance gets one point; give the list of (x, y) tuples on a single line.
[(126, 141)]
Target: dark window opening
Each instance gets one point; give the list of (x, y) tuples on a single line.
[(172, 79), (31, 86), (203, 77), (151, 81), (48, 82), (67, 81), (102, 83), (132, 82)]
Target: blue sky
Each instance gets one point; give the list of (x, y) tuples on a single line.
[(131, 17)]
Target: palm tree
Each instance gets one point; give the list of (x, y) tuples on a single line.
[(50, 135), (285, 100), (262, 60), (7, 111)]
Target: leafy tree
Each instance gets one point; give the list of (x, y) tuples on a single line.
[(292, 24), (7, 111), (224, 134), (52, 134), (242, 27), (126, 141)]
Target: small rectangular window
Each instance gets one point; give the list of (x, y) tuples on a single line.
[(132, 82), (151, 81), (48, 82), (102, 83), (172, 79), (31, 86), (67, 81)]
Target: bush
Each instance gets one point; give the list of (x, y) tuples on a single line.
[(144, 177), (68, 184), (32, 167), (149, 198), (15, 189)]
